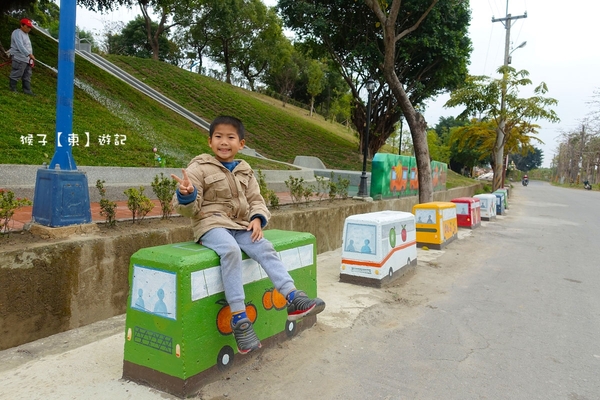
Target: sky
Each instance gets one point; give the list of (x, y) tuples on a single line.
[(561, 51)]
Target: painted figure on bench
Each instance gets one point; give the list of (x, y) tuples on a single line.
[(366, 248), (222, 196)]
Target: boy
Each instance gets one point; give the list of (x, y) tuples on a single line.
[(222, 197), (22, 57)]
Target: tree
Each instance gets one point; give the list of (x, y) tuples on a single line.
[(18, 8), (284, 71), (315, 81), (133, 41), (531, 160), (462, 157), (438, 150), (238, 34), (481, 97), (578, 155), (176, 9), (16, 5), (426, 63), (341, 108), (391, 36), (258, 50), (45, 13)]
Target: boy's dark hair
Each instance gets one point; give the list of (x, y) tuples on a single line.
[(227, 120)]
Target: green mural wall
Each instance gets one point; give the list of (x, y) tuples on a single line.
[(397, 176)]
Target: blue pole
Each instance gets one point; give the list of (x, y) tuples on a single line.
[(63, 156), (62, 195)]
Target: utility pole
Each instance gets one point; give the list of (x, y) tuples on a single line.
[(581, 148), (499, 165)]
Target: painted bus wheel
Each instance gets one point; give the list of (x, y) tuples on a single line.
[(291, 328), (225, 358)]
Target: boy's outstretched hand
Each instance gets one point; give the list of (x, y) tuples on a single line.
[(256, 228), (185, 186)]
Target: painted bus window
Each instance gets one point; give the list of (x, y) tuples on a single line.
[(425, 216), (361, 238), (208, 281), (156, 293), (462, 208)]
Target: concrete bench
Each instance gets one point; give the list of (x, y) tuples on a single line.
[(378, 247), (178, 332), (436, 224)]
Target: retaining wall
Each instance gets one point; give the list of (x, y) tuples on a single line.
[(61, 285)]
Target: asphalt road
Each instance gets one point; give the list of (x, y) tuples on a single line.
[(510, 311), (522, 323)]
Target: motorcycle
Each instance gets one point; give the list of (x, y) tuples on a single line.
[(525, 181), (587, 185)]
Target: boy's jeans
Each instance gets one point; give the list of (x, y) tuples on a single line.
[(227, 244)]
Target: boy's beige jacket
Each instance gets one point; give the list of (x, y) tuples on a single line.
[(225, 199)]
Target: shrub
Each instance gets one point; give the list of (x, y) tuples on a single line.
[(138, 203), (308, 193), (164, 188), (297, 189), (108, 209), (322, 186), (332, 190), (269, 195), (338, 189), (8, 205), (343, 185)]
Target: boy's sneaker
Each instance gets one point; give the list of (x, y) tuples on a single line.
[(303, 306), (245, 337)]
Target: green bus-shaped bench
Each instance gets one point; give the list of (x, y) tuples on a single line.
[(178, 332)]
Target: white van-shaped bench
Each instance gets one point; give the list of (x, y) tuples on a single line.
[(488, 206), (378, 247)]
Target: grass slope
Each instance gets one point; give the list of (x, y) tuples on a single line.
[(105, 106)]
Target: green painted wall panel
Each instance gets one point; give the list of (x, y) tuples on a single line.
[(397, 176)]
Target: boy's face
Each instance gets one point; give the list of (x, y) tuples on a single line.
[(225, 142)]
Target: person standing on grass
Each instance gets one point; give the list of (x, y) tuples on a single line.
[(22, 57), (222, 197)]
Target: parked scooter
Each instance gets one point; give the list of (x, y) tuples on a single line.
[(587, 185), (525, 180)]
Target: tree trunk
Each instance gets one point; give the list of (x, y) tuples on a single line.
[(312, 103), (418, 131), (382, 122), (152, 39), (498, 165), (227, 62), (416, 122)]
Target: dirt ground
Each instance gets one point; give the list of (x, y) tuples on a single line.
[(311, 365), (302, 365), (350, 309)]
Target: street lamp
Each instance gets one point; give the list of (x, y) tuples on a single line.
[(518, 47), (362, 188)]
